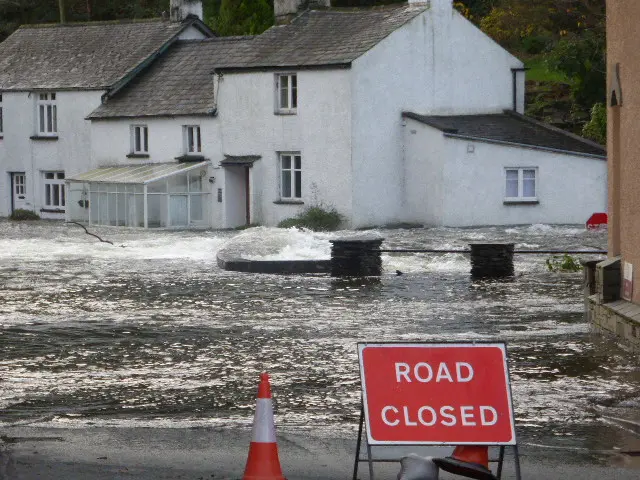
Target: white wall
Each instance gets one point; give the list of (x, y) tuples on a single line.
[(569, 188), (111, 143), (320, 131), (438, 63), (18, 153), (425, 158)]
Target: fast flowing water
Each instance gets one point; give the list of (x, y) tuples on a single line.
[(150, 332)]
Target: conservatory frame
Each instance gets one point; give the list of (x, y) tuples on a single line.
[(131, 195)]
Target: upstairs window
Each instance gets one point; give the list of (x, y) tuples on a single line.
[(520, 184), (47, 114), (139, 140), (290, 176), (54, 194), (192, 141), (1, 127), (286, 93)]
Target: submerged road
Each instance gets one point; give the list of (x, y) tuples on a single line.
[(213, 453)]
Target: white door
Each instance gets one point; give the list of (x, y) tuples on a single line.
[(178, 210), (18, 181)]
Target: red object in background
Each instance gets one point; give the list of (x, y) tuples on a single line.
[(437, 394), (597, 220)]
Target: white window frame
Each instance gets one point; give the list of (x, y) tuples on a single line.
[(295, 171), (54, 194), (140, 141), (286, 93), (520, 197), (192, 139), (46, 114)]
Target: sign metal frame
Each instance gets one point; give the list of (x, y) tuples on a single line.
[(364, 413)]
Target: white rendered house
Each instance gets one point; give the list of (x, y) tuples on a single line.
[(51, 78), (223, 132)]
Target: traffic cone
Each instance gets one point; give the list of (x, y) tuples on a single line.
[(471, 461), (263, 462)]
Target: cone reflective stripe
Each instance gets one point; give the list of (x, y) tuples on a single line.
[(263, 462), (471, 461)]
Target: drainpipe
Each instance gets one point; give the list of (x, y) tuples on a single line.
[(514, 82)]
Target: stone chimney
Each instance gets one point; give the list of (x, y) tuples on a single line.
[(179, 9), (285, 10), (440, 5)]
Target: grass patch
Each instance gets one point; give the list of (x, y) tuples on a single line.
[(21, 214), (317, 219), (539, 71)]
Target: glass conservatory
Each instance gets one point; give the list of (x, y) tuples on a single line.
[(151, 195)]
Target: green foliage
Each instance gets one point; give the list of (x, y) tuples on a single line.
[(539, 71), (596, 128), (582, 59), (565, 263), (242, 17), (535, 44), (315, 218), (513, 20), (21, 214)]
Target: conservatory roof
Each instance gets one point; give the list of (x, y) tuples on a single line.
[(140, 174)]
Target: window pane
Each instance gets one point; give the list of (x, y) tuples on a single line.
[(136, 132), (298, 162), (529, 183), (195, 181), (60, 175), (47, 194), (196, 208), (56, 195), (294, 91), (284, 91), (146, 139), (198, 143), (49, 118), (298, 177), (286, 183), (55, 119), (63, 201), (1, 118), (41, 118), (49, 175), (190, 139), (286, 162), (512, 183)]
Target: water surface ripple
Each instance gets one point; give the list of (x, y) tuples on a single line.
[(150, 332)]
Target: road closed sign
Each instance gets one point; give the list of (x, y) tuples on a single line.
[(444, 393)]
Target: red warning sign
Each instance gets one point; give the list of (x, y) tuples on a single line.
[(446, 393)]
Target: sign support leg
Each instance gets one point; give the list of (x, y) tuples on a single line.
[(357, 460), (370, 460), (500, 462), (516, 459)]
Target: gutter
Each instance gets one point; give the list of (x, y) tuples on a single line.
[(523, 145)]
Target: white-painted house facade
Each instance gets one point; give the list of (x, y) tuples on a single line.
[(321, 111), (51, 78)]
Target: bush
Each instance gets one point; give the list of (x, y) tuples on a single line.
[(21, 214), (565, 263), (535, 44), (314, 218)]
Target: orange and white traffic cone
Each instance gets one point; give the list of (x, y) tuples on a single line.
[(263, 462), (471, 461)]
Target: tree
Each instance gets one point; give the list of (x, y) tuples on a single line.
[(582, 59), (596, 127), (242, 17)]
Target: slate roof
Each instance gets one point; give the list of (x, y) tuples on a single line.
[(79, 56), (180, 82), (323, 37), (510, 128)]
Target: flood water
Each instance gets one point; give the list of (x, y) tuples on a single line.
[(150, 332)]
